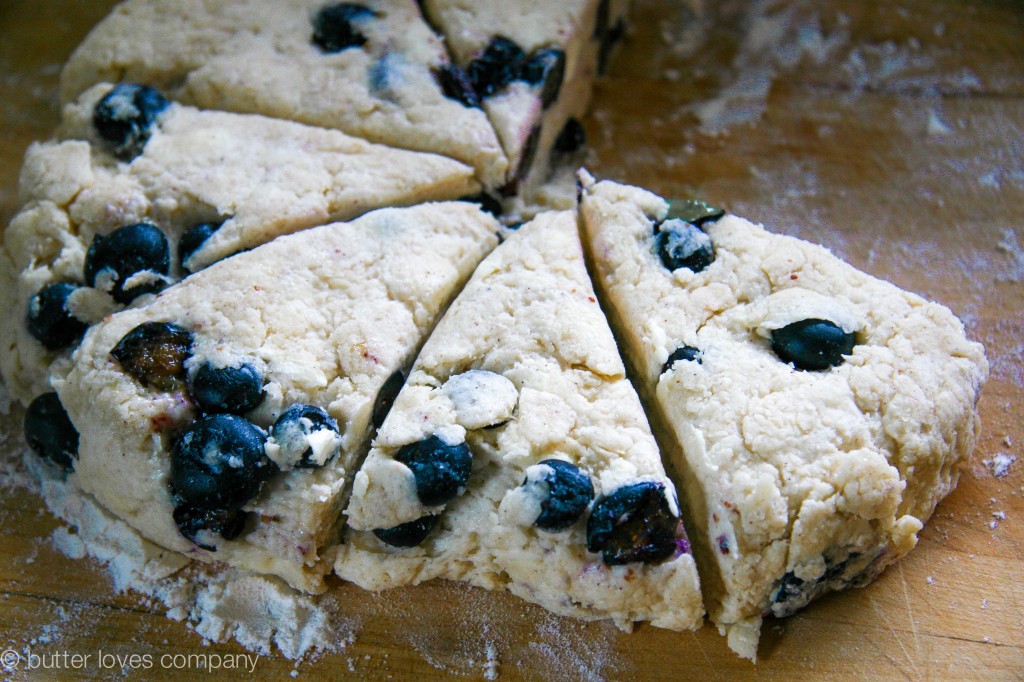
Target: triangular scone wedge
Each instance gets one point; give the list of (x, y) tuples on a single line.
[(523, 370), (532, 65), (815, 415), (246, 178), (373, 69), (322, 318)]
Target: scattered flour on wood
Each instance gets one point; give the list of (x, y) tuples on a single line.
[(570, 651), (262, 613), (1000, 463)]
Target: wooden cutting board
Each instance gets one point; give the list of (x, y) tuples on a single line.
[(891, 132)]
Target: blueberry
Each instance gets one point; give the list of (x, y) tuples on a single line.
[(813, 344), (386, 397), (193, 240), (139, 249), (572, 138), (225, 389), (455, 84), (125, 117), (154, 354), (500, 63), (693, 211), (684, 245), (192, 521), (608, 43), (793, 593), (487, 202), (408, 534), (49, 320), (49, 431), (603, 19), (219, 463), (291, 432), (634, 523), (546, 66), (441, 470), (333, 29), (567, 492), (687, 353), (529, 152), (384, 75)]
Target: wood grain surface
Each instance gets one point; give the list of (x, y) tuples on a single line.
[(891, 132)]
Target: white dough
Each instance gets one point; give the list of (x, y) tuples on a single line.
[(327, 315)]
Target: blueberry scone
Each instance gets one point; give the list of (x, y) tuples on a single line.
[(518, 457), (814, 415), (222, 418), (138, 191), (372, 69), (531, 65)]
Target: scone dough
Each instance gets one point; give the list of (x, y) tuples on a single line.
[(583, 30), (259, 57), (796, 481), (329, 314), (259, 177), (522, 368)]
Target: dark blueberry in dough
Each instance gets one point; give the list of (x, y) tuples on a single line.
[(49, 320), (500, 63), (603, 20), (408, 534), (140, 249), (693, 211), (793, 593), (192, 520), (455, 84), (125, 117), (813, 344), (441, 470), (572, 138), (333, 29), (683, 245), (386, 397), (687, 353), (225, 389), (219, 463), (49, 431), (193, 240), (634, 523), (608, 43), (546, 66), (154, 354), (529, 152), (487, 202), (291, 432), (568, 493)]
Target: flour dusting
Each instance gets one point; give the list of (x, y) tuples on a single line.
[(1000, 464), (262, 613)]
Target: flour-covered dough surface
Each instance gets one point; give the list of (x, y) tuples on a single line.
[(250, 177), (523, 370), (323, 318), (532, 64), (797, 481), (369, 70)]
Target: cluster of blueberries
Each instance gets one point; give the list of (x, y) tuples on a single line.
[(336, 27), (680, 242), (133, 259), (123, 119), (219, 461), (501, 63), (633, 524)]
